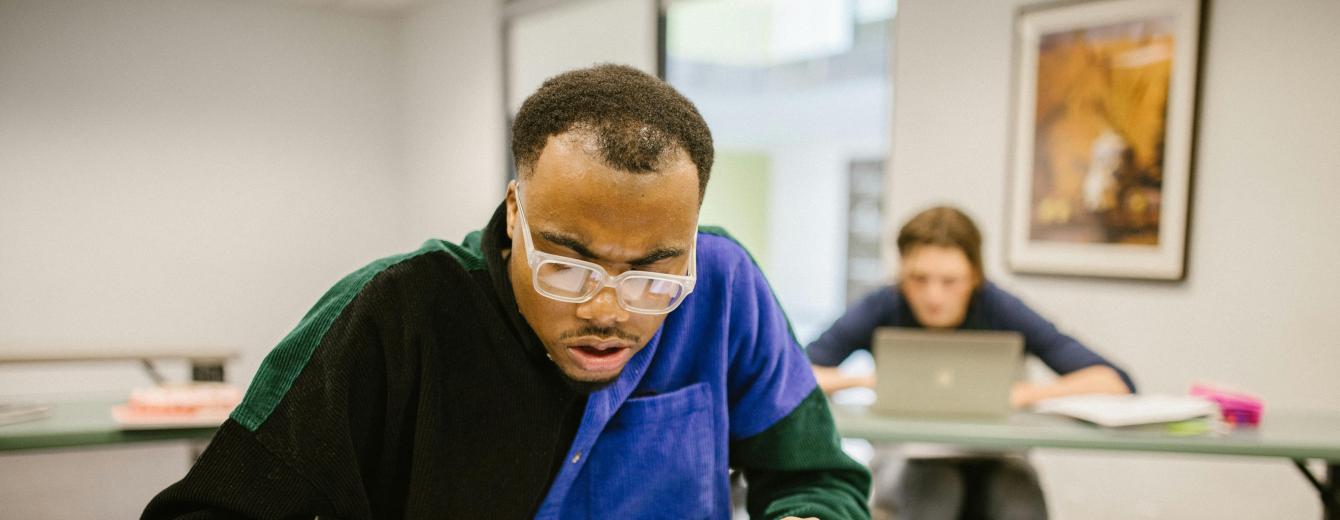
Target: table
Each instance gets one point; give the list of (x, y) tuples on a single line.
[(88, 422), (207, 363), (1292, 434), (85, 424)]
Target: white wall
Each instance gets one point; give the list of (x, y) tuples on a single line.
[(188, 173), (590, 31), (454, 148), (199, 172), (1257, 309)]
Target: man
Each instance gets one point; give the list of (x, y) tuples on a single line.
[(588, 354), (941, 286)]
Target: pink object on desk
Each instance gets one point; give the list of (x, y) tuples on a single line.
[(194, 405), (1237, 408)]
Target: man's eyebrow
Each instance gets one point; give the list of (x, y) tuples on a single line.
[(569, 242), (656, 255), (579, 247)]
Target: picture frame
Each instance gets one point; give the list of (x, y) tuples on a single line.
[(1104, 103)]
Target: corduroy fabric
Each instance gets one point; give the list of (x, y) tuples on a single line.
[(792, 471), (422, 398)]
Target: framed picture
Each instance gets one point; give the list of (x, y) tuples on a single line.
[(1103, 108)]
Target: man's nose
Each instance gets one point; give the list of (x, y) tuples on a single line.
[(937, 292), (603, 310)]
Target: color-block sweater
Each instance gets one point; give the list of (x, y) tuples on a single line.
[(415, 389)]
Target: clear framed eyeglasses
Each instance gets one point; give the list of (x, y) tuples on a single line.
[(577, 281)]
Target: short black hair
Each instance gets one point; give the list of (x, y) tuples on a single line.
[(635, 118)]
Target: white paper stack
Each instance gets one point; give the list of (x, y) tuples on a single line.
[(1128, 410)]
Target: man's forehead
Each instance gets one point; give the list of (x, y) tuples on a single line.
[(602, 194), (566, 173), (612, 229)]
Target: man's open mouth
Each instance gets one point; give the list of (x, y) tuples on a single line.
[(599, 352), (600, 355)]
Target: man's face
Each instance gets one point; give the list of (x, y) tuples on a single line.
[(937, 282), (578, 207)]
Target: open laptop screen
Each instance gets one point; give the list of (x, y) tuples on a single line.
[(945, 373)]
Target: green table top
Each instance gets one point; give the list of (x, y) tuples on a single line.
[(84, 424), (1292, 434), (1283, 433)]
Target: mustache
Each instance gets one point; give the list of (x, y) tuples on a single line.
[(603, 332)]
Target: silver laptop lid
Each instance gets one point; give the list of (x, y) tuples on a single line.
[(945, 373)]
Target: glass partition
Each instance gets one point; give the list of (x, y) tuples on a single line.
[(798, 96)]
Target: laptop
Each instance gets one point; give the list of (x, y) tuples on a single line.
[(963, 374)]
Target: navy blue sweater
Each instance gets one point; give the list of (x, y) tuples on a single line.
[(991, 308)]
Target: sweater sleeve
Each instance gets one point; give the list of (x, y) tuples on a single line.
[(1060, 352), (782, 435), (306, 438), (238, 477), (797, 468), (853, 330)]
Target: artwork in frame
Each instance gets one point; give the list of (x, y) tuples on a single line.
[(1103, 107)]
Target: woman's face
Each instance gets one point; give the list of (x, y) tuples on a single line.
[(937, 282)]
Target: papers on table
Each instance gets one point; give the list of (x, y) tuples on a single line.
[(1128, 410), (11, 413)]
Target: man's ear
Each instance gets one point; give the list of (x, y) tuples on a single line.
[(511, 208)]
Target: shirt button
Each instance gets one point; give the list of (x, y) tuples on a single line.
[(577, 457)]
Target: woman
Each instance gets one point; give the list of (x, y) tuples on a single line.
[(941, 286)]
